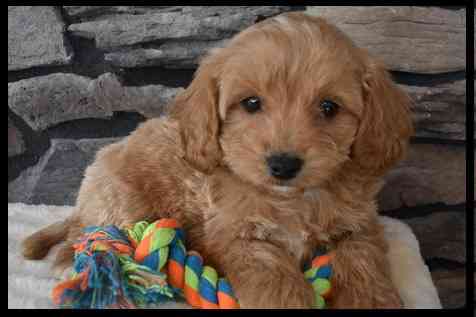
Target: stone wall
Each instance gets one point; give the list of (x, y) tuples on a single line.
[(82, 77)]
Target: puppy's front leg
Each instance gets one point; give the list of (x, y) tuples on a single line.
[(265, 276), (361, 277)]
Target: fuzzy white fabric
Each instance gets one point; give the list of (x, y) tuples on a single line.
[(30, 282), (409, 272)]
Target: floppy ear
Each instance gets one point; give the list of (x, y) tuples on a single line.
[(386, 126), (196, 112)]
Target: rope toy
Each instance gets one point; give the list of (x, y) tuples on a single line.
[(147, 264)]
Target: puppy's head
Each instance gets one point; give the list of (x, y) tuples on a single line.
[(290, 102)]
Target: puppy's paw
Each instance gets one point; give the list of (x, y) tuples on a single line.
[(284, 292), (388, 300), (369, 298)]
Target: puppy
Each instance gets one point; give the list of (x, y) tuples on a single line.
[(276, 148)]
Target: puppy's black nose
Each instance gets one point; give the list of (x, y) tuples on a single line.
[(284, 165)]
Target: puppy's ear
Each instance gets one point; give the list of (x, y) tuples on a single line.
[(386, 125), (196, 110)]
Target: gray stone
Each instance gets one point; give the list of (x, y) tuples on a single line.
[(440, 111), (432, 173), (120, 31), (35, 37), (412, 39), (77, 11), (48, 100), (173, 54), (56, 178), (263, 11), (150, 101), (441, 235), (85, 13), (451, 286), (98, 12), (16, 145)]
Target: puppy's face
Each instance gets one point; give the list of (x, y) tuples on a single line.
[(290, 105), (293, 102)]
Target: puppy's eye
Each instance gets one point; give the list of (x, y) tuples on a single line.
[(329, 108), (251, 104)]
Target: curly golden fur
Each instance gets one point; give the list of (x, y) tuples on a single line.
[(204, 164)]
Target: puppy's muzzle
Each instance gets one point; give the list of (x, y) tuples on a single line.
[(284, 166)]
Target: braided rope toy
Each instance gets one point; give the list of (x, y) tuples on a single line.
[(148, 264)]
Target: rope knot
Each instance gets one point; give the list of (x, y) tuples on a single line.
[(147, 264)]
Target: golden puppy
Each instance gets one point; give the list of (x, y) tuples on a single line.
[(277, 147)]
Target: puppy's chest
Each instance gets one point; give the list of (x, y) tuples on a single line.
[(231, 210)]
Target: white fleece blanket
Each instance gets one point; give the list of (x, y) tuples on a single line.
[(30, 282)]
